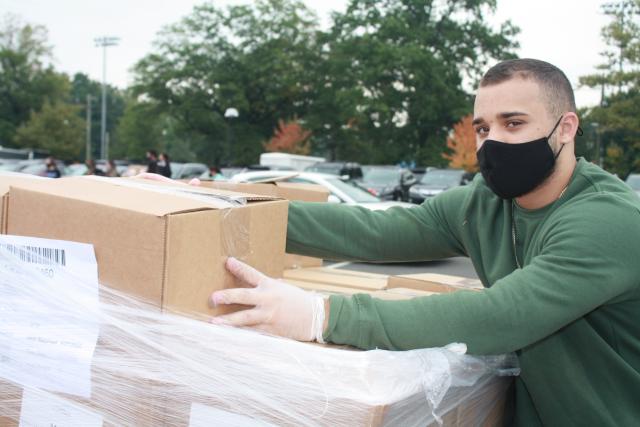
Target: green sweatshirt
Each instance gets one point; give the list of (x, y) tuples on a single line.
[(571, 313)]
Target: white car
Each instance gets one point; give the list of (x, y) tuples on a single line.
[(339, 191)]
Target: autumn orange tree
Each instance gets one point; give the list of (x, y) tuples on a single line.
[(290, 137), (462, 146)]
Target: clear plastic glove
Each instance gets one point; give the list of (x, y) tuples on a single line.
[(279, 308)]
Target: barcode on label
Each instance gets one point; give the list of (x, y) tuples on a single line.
[(37, 255)]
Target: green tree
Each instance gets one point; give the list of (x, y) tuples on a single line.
[(144, 126), (26, 79), (392, 82), (613, 125), (81, 87), (252, 58), (56, 128)]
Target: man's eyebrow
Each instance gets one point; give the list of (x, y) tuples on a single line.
[(505, 115), (512, 114), (477, 121)]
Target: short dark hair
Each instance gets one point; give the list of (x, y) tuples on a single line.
[(154, 153), (556, 88)]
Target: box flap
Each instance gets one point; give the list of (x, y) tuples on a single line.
[(433, 282), (276, 178), (184, 189), (336, 277), (7, 179), (285, 190), (142, 197)]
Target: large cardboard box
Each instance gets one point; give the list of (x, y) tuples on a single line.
[(284, 190), (433, 282), (410, 285), (164, 243), (339, 277), (7, 179)]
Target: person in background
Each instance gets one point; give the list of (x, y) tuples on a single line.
[(152, 158), (52, 168), (112, 171), (92, 169), (215, 174), (164, 165)]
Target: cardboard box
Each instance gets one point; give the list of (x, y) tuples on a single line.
[(483, 407), (338, 277), (165, 244), (411, 284), (432, 282), (392, 294), (284, 190), (7, 179)]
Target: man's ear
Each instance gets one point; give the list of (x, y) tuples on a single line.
[(568, 127)]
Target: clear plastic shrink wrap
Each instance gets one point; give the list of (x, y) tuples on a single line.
[(73, 353)]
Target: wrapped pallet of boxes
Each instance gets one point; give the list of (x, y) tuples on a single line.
[(285, 190), (164, 243), (487, 405), (142, 367)]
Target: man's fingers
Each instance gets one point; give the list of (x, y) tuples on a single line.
[(195, 182), (244, 272), (249, 317), (244, 296)]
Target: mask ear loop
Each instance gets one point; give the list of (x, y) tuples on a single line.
[(551, 133)]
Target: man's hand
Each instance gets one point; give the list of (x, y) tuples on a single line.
[(279, 308)]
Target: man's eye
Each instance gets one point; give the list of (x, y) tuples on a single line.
[(513, 124), (482, 130)]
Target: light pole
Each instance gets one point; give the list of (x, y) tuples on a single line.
[(599, 146), (88, 148), (230, 114), (104, 42)]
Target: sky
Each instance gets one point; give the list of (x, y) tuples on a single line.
[(563, 32)]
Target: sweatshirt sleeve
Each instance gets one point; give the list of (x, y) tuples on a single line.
[(354, 233), (588, 259)]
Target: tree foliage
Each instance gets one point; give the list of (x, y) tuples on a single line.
[(613, 125), (81, 87), (55, 128), (384, 84), (27, 79), (462, 144), (251, 58), (289, 137)]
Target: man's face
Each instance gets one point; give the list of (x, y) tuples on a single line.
[(512, 111)]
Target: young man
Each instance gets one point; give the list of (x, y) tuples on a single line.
[(554, 240)]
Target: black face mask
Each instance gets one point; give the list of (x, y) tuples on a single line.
[(511, 170)]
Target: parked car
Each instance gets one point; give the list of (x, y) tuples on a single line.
[(419, 171), (14, 165), (350, 170), (436, 181), (187, 170), (388, 182), (633, 181), (339, 190), (79, 169), (291, 161), (40, 168)]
